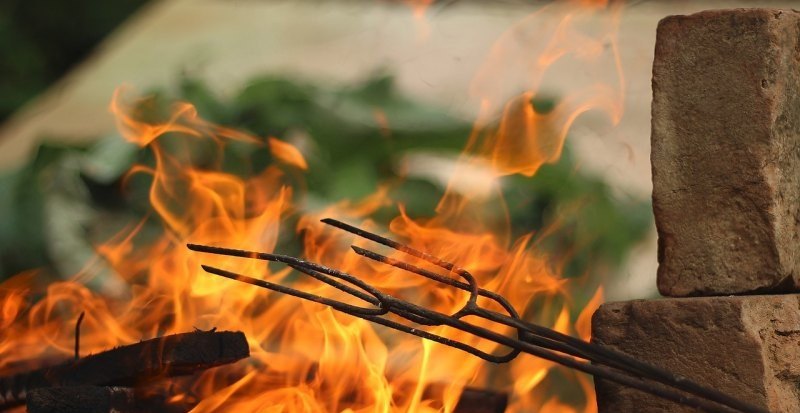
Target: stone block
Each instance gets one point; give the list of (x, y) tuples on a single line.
[(746, 346), (726, 152)]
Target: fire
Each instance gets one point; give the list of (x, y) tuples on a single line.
[(576, 35), (287, 153), (306, 357)]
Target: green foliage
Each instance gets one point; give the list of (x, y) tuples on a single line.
[(40, 40), (352, 137), (596, 228)]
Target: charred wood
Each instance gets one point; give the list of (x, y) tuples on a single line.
[(472, 400), (481, 401), (101, 399), (169, 356)]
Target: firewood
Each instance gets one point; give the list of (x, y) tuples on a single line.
[(481, 401), (100, 399), (472, 400), (169, 356)]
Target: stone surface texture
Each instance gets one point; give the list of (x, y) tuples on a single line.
[(747, 346), (726, 152)]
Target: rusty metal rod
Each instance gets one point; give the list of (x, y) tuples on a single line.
[(533, 339)]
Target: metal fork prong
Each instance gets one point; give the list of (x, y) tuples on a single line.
[(392, 244), (414, 318), (435, 277), (466, 309), (555, 340), (338, 305), (551, 341), (288, 260), (546, 337), (336, 284), (705, 402), (471, 281)]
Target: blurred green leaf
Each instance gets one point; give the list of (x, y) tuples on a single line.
[(353, 137), (108, 159)]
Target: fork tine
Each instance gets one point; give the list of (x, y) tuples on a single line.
[(467, 309), (391, 244), (338, 305), (293, 262), (434, 276), (473, 284)]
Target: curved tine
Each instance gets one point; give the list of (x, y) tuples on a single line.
[(285, 259), (464, 311), (499, 299), (473, 284), (336, 284), (366, 297)]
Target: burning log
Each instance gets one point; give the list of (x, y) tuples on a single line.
[(481, 401), (100, 399), (169, 356), (474, 400)]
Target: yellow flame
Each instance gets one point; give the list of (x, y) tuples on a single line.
[(305, 357)]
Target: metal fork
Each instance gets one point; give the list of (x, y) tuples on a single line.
[(533, 339)]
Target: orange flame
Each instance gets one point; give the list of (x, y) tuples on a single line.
[(578, 34), (305, 357), (287, 153)]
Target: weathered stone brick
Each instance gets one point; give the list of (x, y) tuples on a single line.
[(726, 152), (747, 346)]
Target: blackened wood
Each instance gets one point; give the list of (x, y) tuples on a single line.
[(481, 401), (100, 399), (472, 400), (173, 355)]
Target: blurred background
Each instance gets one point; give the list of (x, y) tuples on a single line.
[(313, 73)]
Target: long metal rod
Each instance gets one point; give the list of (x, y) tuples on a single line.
[(533, 339), (579, 347), (594, 352), (595, 370)]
